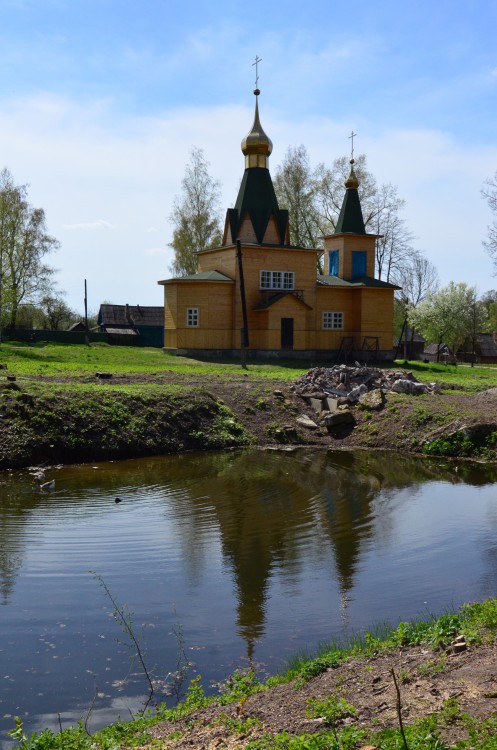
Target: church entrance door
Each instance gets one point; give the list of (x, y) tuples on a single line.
[(287, 333)]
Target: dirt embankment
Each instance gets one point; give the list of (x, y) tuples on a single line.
[(446, 684), (210, 412)]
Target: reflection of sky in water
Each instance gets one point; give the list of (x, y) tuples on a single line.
[(255, 554)]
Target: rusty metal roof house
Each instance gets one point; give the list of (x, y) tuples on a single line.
[(132, 325)]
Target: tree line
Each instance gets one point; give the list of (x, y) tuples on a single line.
[(28, 295)]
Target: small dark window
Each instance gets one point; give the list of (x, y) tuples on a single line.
[(359, 258)]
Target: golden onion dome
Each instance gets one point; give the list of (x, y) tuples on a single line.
[(256, 146), (352, 181)]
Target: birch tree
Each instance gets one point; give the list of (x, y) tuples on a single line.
[(195, 215), (24, 243), (489, 192)]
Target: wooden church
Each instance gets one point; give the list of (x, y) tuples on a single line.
[(260, 293)]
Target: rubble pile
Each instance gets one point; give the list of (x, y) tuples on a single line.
[(344, 381)]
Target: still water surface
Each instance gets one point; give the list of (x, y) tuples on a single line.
[(252, 555)]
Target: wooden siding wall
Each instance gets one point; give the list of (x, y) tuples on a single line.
[(270, 338), (337, 299), (215, 304), (221, 259), (170, 305), (377, 315), (255, 259), (272, 235), (346, 245), (367, 311)]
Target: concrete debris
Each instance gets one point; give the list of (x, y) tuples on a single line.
[(352, 382), (373, 400), (307, 422), (330, 391), (338, 419)]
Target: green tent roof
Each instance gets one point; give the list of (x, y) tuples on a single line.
[(350, 220), (257, 198)]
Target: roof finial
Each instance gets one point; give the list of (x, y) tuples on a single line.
[(352, 136), (256, 63), (352, 182)]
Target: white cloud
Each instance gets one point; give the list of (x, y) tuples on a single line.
[(100, 224), (83, 158)]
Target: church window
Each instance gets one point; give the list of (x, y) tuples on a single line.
[(277, 279), (333, 320), (333, 262), (359, 258), (192, 317), (288, 280)]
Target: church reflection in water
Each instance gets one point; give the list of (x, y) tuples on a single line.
[(263, 501)]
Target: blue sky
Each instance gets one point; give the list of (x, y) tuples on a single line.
[(101, 101)]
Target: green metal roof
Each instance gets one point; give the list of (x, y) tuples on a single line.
[(205, 276), (350, 220), (257, 198), (362, 281)]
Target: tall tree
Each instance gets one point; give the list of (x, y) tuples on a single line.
[(24, 242), (448, 315), (296, 190), (489, 304), (489, 192), (417, 278), (195, 215), (57, 315)]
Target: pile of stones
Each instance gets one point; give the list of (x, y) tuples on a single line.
[(343, 380), (332, 391)]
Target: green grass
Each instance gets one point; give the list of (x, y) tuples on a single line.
[(470, 378), (73, 360)]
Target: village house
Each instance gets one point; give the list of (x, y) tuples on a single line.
[(259, 292), (132, 325)]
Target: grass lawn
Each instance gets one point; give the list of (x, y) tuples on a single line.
[(51, 359), (55, 360), (476, 378)]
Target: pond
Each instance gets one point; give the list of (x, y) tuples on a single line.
[(237, 558)]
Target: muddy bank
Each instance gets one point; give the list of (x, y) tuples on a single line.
[(40, 424)]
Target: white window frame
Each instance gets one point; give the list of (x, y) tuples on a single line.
[(277, 280), (192, 317), (333, 320)]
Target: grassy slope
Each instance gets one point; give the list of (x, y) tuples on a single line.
[(57, 410)]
